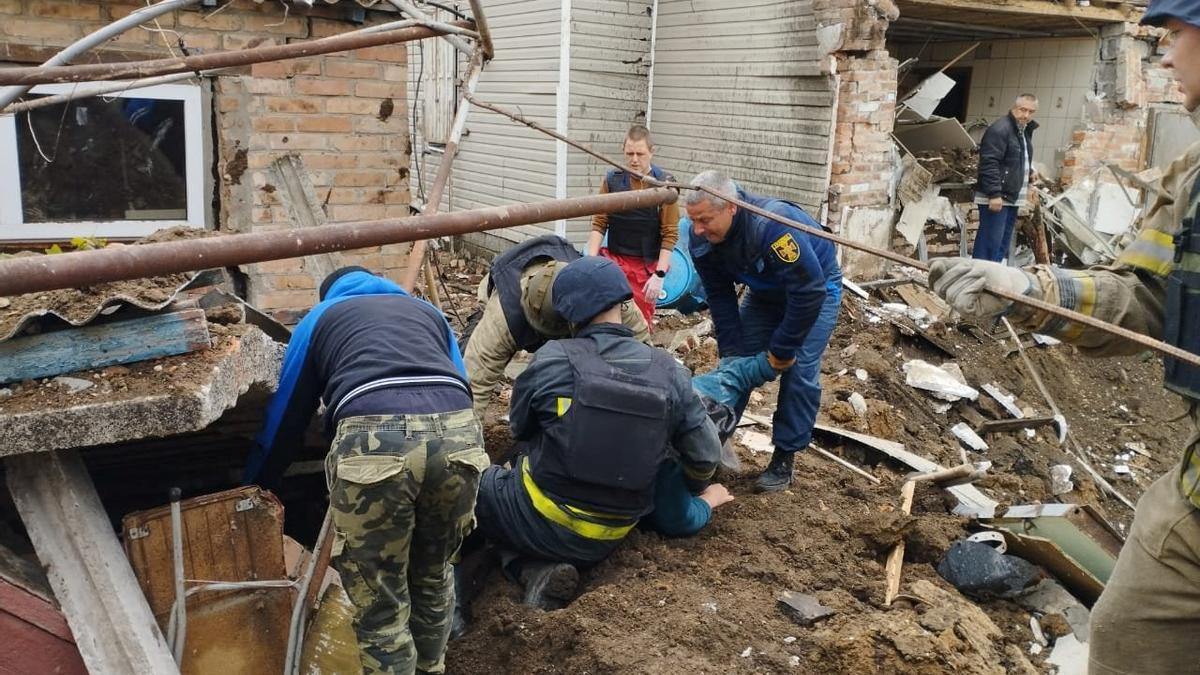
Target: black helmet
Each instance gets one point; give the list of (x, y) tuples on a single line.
[(587, 287)]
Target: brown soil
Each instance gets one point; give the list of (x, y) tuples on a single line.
[(80, 305), (707, 604)]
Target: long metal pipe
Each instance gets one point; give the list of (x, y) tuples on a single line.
[(424, 19), (86, 268), (198, 62), (133, 85), (485, 31), (416, 257), (100, 36)]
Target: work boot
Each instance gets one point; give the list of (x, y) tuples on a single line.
[(549, 585), (458, 620), (778, 475)]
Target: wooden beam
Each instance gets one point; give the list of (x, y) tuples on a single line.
[(299, 196), (1026, 7), (108, 615), (109, 344)]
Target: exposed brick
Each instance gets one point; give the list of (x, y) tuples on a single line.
[(351, 69), (292, 105), (202, 41), (357, 212), (273, 300), (353, 106), (11, 7), (393, 90), (357, 143), (32, 29), (210, 20), (324, 124), (236, 42), (321, 87), (289, 68), (360, 178), (387, 53), (269, 124), (296, 141), (331, 160), (292, 26), (299, 282), (71, 11)]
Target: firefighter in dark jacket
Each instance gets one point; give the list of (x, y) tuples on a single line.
[(403, 466), (789, 311), (600, 413), (519, 312), (1005, 174)]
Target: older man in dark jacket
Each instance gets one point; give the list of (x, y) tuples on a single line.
[(1005, 171)]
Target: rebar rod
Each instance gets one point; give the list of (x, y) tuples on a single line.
[(97, 37), (86, 268), (1061, 312), (485, 31), (198, 62), (416, 257)]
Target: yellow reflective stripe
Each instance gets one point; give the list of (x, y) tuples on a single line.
[(1153, 251), (562, 405), (1190, 483), (559, 514), (1085, 299), (696, 474)]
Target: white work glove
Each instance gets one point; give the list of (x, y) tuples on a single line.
[(652, 290), (961, 282)]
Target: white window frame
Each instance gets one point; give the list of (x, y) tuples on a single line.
[(12, 220)]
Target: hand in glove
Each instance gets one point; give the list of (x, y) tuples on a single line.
[(779, 364), (652, 289), (961, 282)]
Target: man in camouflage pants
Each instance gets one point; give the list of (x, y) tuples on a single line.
[(403, 469)]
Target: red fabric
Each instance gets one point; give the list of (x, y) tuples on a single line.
[(637, 271)]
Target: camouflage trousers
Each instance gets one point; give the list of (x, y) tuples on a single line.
[(402, 489)]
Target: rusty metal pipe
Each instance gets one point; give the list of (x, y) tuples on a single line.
[(485, 32), (85, 268), (196, 62)]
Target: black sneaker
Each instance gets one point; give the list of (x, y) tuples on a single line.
[(778, 475), (549, 585)]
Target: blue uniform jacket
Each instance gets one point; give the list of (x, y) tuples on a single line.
[(777, 263)]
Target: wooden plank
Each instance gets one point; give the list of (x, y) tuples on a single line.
[(298, 195), (1015, 8), (36, 636), (109, 344), (91, 577), (995, 426)]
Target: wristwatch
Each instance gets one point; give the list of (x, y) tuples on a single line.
[(660, 273)]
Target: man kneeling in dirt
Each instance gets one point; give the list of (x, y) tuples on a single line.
[(599, 413), (1147, 620), (404, 465), (519, 312)]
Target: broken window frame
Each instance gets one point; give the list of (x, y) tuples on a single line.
[(12, 219)]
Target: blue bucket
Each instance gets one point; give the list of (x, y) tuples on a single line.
[(682, 289)]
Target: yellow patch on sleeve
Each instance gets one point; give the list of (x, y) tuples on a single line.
[(786, 248), (563, 405)]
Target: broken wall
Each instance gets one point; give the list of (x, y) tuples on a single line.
[(1129, 84), (862, 160), (342, 114)]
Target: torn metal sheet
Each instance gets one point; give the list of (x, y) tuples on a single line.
[(1073, 542), (971, 502), (929, 94)]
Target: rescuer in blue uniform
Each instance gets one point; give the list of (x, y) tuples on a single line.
[(789, 312)]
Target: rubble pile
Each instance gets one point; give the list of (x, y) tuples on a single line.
[(714, 600)]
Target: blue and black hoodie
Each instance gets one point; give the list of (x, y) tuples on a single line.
[(367, 336)]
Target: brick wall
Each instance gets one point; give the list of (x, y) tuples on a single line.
[(344, 115), (1129, 81), (862, 162)]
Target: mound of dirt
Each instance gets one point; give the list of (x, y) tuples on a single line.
[(707, 604)]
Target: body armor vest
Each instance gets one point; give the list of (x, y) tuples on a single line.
[(1182, 327), (505, 279), (637, 232), (603, 453)]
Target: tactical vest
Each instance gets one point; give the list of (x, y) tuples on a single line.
[(505, 279), (637, 232), (1182, 325), (602, 454)]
